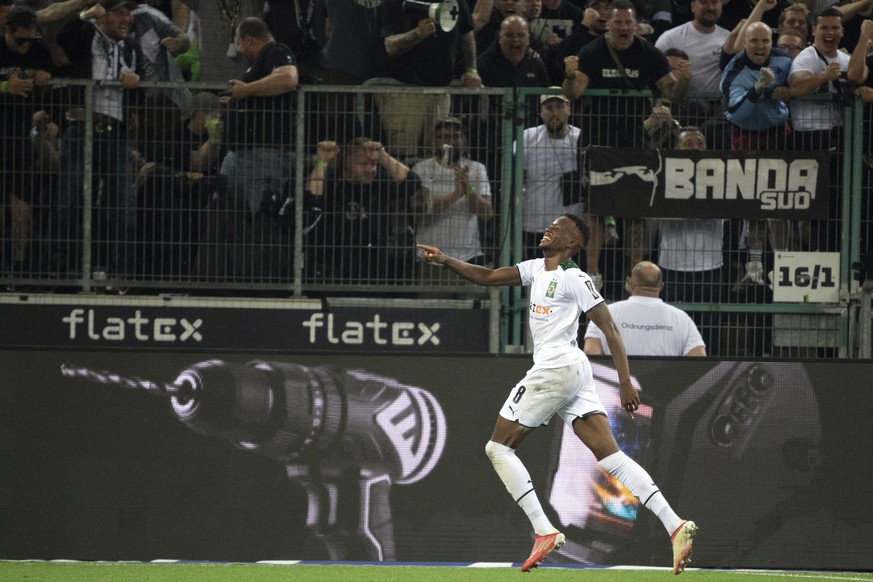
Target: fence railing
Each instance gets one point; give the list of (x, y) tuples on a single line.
[(238, 200)]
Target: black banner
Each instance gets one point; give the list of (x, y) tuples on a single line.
[(192, 326), (642, 183), (141, 456)]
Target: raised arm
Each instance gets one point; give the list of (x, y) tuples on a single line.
[(575, 81), (857, 70), (473, 273)]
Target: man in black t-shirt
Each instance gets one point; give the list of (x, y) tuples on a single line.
[(259, 119), (621, 61), (25, 69)]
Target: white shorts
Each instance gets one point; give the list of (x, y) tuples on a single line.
[(568, 391)]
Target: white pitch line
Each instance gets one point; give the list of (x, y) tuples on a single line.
[(797, 575)]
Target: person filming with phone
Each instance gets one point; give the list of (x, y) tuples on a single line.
[(455, 196)]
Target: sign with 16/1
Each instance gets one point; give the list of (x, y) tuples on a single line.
[(806, 277)]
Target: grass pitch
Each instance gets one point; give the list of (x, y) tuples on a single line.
[(212, 572)]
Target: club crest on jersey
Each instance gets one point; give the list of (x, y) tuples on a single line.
[(550, 292)]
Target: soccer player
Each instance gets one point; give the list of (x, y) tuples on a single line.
[(561, 381)]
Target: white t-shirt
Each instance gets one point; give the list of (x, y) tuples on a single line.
[(557, 300), (455, 230), (545, 160), (693, 244), (704, 50), (816, 115), (650, 327)]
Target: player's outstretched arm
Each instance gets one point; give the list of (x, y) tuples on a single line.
[(474, 273)]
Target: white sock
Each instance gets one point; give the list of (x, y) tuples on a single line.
[(638, 481), (515, 477)]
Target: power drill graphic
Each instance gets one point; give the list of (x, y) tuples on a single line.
[(345, 436)]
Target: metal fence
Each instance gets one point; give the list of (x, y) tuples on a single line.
[(188, 194)]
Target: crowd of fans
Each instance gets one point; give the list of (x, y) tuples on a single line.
[(386, 168)]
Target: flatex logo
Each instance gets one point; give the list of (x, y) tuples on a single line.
[(350, 332), (89, 324)]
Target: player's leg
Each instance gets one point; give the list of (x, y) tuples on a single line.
[(594, 431), (531, 403)]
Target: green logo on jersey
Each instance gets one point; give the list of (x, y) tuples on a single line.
[(550, 292)]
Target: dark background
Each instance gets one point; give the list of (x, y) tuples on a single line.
[(102, 472)]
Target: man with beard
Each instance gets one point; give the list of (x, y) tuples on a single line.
[(821, 68), (702, 39), (550, 152)]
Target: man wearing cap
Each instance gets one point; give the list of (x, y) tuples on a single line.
[(98, 47), (550, 155)]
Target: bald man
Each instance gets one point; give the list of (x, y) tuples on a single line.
[(648, 326)]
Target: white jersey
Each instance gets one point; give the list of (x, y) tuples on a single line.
[(816, 115), (557, 299), (650, 327), (690, 245), (704, 50), (545, 160), (455, 230)]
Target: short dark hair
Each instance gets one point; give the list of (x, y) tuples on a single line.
[(21, 16), (829, 12), (583, 228), (254, 27)]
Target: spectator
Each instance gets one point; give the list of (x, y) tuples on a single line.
[(351, 42), (219, 58), (618, 60), (551, 155), (26, 70), (854, 14), (690, 253), (102, 50), (510, 62), (365, 234), (300, 26), (821, 68), (791, 42), (594, 23), (702, 38), (160, 41), (649, 327), (555, 23), (486, 35), (795, 17), (176, 185), (755, 90), (455, 195), (259, 162), (858, 72), (418, 52)]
